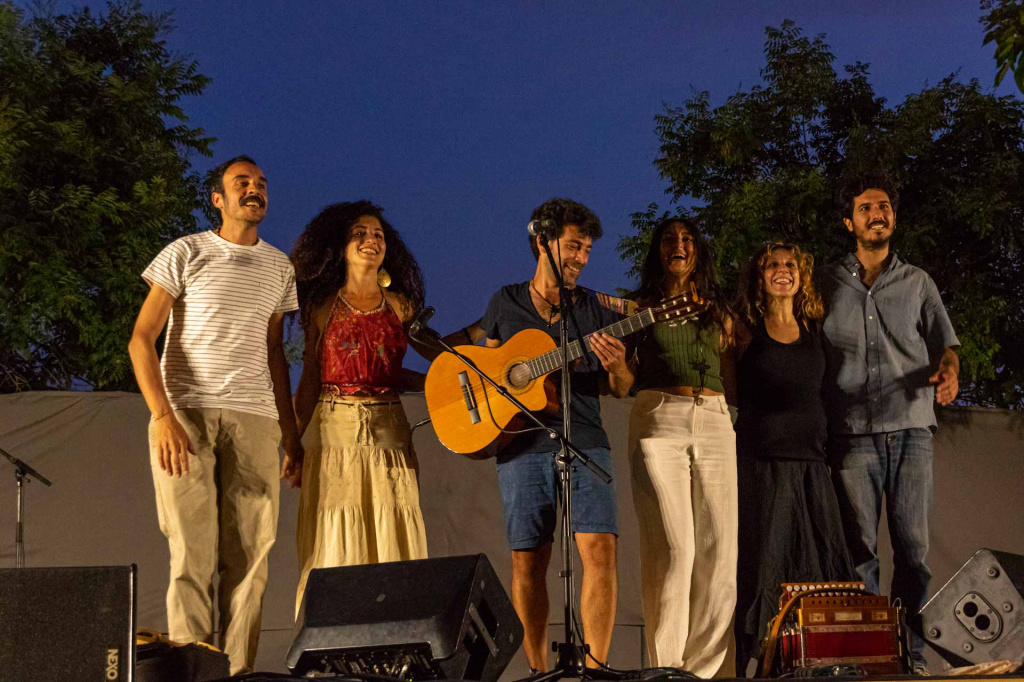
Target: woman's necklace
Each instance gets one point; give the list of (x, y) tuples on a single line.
[(358, 311), (702, 368), (554, 306)]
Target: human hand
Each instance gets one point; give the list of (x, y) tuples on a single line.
[(610, 351), (172, 445), (291, 466), (946, 385)]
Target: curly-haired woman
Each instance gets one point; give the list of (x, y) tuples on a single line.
[(789, 525), (359, 289), (682, 452)]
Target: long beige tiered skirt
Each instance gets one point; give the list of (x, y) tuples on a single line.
[(360, 500)]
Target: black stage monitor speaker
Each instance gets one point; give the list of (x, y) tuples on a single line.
[(978, 616), (445, 618), (163, 662), (67, 623)]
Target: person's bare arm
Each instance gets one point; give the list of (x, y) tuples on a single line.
[(727, 360), (291, 468), (612, 354), (945, 379), (308, 391), (170, 440), (467, 336), (742, 337)]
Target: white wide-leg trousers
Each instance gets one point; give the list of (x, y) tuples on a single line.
[(683, 470)]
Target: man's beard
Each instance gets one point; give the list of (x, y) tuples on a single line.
[(875, 244), (569, 276), (875, 241), (245, 218)]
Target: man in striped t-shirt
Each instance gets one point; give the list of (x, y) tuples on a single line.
[(221, 403)]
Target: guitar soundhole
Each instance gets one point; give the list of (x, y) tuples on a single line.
[(518, 375)]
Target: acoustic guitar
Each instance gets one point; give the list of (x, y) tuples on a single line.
[(468, 414)]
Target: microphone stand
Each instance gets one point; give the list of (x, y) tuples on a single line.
[(23, 473), (426, 335), (570, 657)]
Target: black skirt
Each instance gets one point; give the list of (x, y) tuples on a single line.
[(789, 531)]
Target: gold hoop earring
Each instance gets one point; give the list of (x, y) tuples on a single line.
[(383, 278)]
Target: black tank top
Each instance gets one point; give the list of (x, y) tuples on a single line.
[(781, 411)]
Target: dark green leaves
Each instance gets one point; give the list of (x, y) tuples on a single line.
[(766, 163), (1004, 24), (94, 180)]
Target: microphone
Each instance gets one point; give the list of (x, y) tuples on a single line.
[(25, 469), (419, 325), (544, 227)]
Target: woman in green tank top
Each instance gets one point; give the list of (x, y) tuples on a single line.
[(682, 451)]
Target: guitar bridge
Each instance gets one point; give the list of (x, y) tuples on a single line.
[(469, 398)]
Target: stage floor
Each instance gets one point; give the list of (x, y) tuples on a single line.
[(278, 677)]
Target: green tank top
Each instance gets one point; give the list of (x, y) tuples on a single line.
[(670, 355)]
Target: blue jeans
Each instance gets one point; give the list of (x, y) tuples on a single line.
[(898, 464), (529, 484)]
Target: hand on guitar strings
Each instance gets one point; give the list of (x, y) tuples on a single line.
[(610, 351)]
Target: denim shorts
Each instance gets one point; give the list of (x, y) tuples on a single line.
[(529, 494)]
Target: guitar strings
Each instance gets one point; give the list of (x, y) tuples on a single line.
[(582, 344), (490, 415)]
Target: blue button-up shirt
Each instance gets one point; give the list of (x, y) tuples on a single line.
[(882, 345)]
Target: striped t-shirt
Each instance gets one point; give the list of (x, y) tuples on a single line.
[(215, 352)]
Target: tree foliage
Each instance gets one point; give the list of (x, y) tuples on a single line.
[(765, 164), (1004, 24), (94, 180)]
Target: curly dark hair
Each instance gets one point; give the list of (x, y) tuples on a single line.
[(704, 274), (807, 304), (862, 182), (564, 212), (319, 257), (215, 178)]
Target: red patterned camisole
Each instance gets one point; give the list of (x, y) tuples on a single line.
[(361, 353)]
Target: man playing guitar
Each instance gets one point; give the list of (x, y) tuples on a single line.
[(527, 470)]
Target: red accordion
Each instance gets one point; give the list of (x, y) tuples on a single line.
[(833, 624)]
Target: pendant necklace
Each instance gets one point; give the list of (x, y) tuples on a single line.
[(554, 306)]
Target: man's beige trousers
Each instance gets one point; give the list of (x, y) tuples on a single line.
[(220, 520)]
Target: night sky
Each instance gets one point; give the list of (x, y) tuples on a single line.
[(460, 117)]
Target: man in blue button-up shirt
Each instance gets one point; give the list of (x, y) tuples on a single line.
[(891, 355)]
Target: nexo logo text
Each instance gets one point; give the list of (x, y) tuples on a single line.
[(112, 658)]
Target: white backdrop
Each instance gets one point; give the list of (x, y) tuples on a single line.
[(100, 510)]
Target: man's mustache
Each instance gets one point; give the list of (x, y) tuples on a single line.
[(252, 197)]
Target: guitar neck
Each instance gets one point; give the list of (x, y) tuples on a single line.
[(552, 360)]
